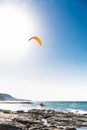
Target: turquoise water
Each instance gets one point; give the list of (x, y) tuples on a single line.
[(73, 106)]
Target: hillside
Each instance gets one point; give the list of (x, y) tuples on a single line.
[(6, 97)]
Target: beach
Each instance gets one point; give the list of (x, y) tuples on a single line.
[(41, 119), (52, 115)]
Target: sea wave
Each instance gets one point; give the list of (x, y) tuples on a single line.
[(77, 111)]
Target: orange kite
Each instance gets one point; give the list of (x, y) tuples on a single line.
[(37, 39)]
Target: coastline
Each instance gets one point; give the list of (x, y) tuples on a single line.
[(41, 119)]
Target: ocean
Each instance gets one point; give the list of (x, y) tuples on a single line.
[(67, 106), (78, 107)]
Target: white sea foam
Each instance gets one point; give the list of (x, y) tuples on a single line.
[(77, 111), (15, 107)]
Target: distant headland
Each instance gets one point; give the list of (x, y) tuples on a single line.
[(7, 98)]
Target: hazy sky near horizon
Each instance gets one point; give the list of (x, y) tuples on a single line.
[(58, 69)]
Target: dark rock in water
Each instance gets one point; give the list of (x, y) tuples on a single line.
[(67, 128), (20, 111), (9, 127), (7, 111)]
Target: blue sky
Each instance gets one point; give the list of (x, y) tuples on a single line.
[(68, 30), (58, 69)]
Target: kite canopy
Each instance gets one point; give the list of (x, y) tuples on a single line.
[(37, 39)]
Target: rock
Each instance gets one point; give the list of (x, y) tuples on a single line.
[(20, 111), (40, 120), (7, 111), (67, 128), (9, 127)]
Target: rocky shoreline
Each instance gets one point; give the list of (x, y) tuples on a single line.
[(37, 119)]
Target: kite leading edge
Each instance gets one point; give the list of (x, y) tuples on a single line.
[(37, 39)]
